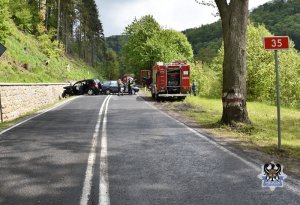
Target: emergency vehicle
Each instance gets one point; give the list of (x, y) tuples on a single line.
[(170, 80)]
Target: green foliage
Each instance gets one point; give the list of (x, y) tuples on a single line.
[(262, 134), (206, 40), (111, 67), (261, 69), (169, 45), (261, 84), (23, 49), (78, 26), (115, 42), (21, 13), (208, 81), (49, 47), (147, 43), (281, 18), (84, 30), (289, 65), (138, 33), (4, 20), (260, 64)]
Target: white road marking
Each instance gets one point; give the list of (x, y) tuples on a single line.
[(104, 183), (40, 113), (91, 159)]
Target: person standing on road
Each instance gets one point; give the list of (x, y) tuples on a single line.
[(194, 87), (130, 81), (120, 85)]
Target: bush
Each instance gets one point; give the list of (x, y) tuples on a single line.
[(50, 48), (4, 20), (261, 81), (208, 81)]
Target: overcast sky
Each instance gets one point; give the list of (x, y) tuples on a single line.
[(115, 15)]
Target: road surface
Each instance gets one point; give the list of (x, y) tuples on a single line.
[(121, 150)]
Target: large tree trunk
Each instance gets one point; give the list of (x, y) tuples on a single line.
[(234, 18)]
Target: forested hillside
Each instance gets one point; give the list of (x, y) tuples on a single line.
[(75, 25), (281, 17), (115, 42), (206, 40), (39, 34)]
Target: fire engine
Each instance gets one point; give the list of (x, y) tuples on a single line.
[(170, 80)]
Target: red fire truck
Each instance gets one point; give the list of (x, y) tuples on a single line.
[(170, 80)]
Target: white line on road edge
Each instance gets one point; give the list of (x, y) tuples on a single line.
[(250, 164), (104, 183), (91, 160), (39, 113)]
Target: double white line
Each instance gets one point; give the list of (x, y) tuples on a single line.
[(104, 185)]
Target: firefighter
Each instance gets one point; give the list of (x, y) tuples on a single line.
[(120, 85), (194, 87), (130, 82)]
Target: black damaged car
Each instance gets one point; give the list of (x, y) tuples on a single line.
[(89, 86)]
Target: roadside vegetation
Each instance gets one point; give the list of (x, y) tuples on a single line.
[(261, 82), (260, 134), (51, 42), (146, 43), (25, 61)]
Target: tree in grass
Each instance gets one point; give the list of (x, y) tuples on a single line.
[(234, 18), (261, 82)]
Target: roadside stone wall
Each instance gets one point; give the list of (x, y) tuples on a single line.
[(18, 99)]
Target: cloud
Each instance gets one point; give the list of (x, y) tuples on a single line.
[(177, 14)]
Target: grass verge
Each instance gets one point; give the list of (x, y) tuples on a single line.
[(261, 134)]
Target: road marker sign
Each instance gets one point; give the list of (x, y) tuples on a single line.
[(277, 43)]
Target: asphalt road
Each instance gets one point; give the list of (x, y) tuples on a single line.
[(120, 150)]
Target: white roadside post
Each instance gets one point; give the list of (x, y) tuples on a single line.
[(277, 43)]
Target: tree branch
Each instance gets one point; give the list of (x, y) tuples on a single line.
[(222, 6), (210, 3)]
